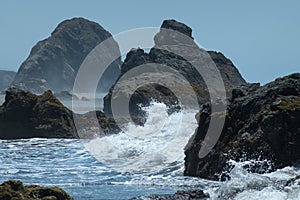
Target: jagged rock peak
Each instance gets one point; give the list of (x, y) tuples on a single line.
[(177, 26)]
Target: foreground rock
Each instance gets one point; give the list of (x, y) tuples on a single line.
[(54, 62), (159, 56), (262, 124), (180, 195), (6, 78), (13, 190)]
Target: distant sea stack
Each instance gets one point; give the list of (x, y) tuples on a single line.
[(54, 62), (157, 55), (6, 78), (262, 124)]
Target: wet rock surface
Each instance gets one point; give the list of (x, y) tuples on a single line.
[(15, 190), (262, 123)]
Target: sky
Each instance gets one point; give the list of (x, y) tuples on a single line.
[(261, 38)]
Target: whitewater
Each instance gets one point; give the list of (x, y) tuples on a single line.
[(138, 161)]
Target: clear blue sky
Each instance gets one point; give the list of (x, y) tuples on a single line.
[(262, 38)]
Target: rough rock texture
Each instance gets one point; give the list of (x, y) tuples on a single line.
[(15, 190), (159, 54), (180, 195), (54, 62), (6, 78), (262, 123), (25, 115)]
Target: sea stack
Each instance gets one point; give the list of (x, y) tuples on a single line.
[(158, 56), (54, 62)]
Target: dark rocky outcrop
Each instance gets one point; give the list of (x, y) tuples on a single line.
[(13, 190), (262, 123), (180, 195), (159, 55), (6, 78), (54, 62), (25, 115)]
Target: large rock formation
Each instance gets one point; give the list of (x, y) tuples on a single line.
[(13, 190), (6, 78), (159, 55), (54, 62), (262, 123)]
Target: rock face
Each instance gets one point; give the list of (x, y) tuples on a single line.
[(6, 78), (262, 123), (25, 115), (12, 190), (54, 62), (161, 56)]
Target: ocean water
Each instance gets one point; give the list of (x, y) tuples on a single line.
[(136, 162)]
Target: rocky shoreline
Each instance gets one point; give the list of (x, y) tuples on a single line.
[(261, 124)]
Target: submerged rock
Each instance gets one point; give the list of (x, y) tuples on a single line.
[(262, 123), (13, 190), (179, 195), (53, 63)]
